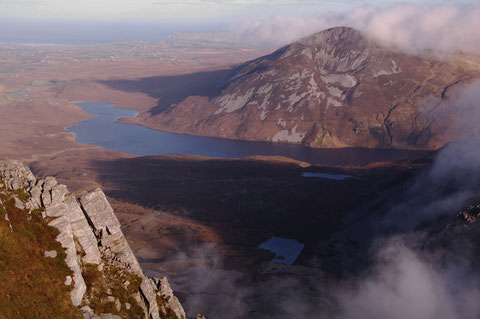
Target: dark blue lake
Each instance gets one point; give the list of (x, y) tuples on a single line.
[(103, 131), (286, 250)]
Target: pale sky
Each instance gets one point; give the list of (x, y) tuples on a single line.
[(220, 11), (94, 21)]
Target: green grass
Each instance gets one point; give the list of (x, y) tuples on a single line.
[(112, 278), (21, 194), (32, 286)]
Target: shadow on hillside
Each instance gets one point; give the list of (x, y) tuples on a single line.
[(269, 197), (175, 88)]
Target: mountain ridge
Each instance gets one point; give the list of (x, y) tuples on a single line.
[(335, 88)]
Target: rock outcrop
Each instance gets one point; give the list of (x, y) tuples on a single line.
[(456, 235), (335, 88), (91, 235)]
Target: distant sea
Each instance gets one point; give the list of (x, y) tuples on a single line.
[(52, 33)]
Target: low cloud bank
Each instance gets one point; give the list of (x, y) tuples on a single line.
[(412, 28), (210, 289), (454, 178), (407, 280), (406, 284)]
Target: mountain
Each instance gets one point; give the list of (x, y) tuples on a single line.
[(335, 88), (66, 257)]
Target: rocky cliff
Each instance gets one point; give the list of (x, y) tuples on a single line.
[(104, 279), (336, 88), (458, 235)]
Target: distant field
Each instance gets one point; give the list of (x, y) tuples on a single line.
[(39, 85)]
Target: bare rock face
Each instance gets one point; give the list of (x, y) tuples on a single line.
[(99, 212), (82, 231), (107, 227), (15, 175), (457, 234), (89, 314), (162, 287), (91, 234), (66, 239), (336, 88)]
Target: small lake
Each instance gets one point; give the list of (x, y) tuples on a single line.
[(337, 177), (103, 131), (286, 250)]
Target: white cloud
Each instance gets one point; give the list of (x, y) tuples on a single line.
[(406, 284), (408, 26)]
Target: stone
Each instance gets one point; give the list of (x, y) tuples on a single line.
[(99, 212), (111, 298), (148, 289), (140, 301), (15, 185), (40, 183), (16, 175), (118, 305), (49, 183), (57, 210), (68, 281), (87, 312), (65, 238), (165, 290), (50, 254), (18, 203), (82, 231), (128, 306), (46, 198), (58, 193), (36, 200), (8, 222), (199, 316)]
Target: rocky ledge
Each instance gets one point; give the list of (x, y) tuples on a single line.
[(94, 243)]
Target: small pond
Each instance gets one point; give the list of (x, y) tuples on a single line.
[(286, 250)]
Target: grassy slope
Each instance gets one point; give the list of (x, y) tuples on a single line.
[(113, 280), (32, 286)]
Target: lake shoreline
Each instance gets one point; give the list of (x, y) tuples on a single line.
[(106, 131)]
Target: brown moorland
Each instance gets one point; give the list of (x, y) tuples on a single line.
[(39, 86)]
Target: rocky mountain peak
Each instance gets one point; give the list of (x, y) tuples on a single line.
[(339, 49), (338, 36), (335, 88)]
